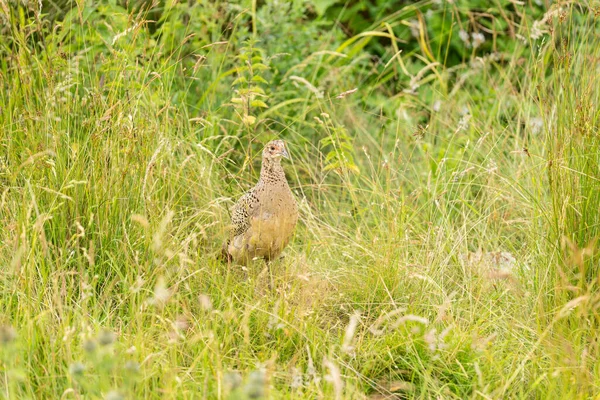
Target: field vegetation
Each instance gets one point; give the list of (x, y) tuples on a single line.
[(445, 156)]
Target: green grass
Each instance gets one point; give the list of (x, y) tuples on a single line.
[(121, 155)]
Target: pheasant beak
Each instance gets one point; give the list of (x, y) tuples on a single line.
[(284, 153)]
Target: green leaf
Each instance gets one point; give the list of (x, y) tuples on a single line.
[(241, 79), (259, 67), (255, 90), (249, 120), (250, 93), (258, 78), (259, 103), (322, 5)]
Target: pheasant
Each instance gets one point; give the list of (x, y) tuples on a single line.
[(264, 218)]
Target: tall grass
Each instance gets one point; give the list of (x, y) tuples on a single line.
[(447, 244)]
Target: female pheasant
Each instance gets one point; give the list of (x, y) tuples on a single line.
[(264, 218)]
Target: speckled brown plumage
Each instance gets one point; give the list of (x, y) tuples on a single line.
[(264, 218)]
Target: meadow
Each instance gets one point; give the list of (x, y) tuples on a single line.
[(445, 156)]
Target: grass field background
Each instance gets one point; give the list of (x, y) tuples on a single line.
[(446, 160)]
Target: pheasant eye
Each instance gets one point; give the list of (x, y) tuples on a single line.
[(272, 148)]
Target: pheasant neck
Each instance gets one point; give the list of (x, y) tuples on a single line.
[(272, 171)]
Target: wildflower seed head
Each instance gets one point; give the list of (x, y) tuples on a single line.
[(536, 125), (7, 334), (414, 28), (182, 323), (478, 39), (132, 366), (76, 369), (90, 346), (463, 124), (162, 293), (464, 37), (297, 379), (106, 338), (232, 380), (114, 395), (255, 387), (205, 302)]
